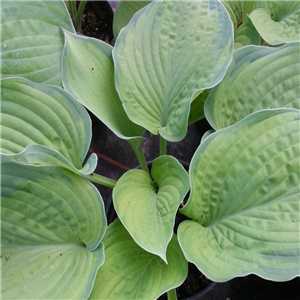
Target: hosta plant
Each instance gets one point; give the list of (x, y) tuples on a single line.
[(172, 63)]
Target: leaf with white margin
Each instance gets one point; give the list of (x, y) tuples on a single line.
[(35, 113), (94, 85), (129, 272), (31, 39), (124, 12), (277, 22), (244, 199), (146, 207), (52, 223), (42, 155), (258, 78), (161, 61)]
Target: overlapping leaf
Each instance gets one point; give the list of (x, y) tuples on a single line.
[(124, 12), (258, 78), (52, 223), (277, 22), (129, 272), (161, 61), (147, 208), (88, 74), (39, 114), (31, 39), (244, 199)]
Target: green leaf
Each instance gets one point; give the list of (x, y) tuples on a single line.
[(258, 78), (161, 61), (124, 12), (41, 155), (238, 10), (197, 107), (129, 272), (34, 113), (52, 223), (277, 22), (31, 39), (147, 208), (246, 34), (94, 85), (244, 199)]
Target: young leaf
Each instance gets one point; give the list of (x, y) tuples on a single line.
[(94, 85), (31, 39), (161, 61), (246, 35), (129, 272), (277, 22), (34, 113), (147, 208), (244, 199), (258, 78), (52, 223), (124, 12)]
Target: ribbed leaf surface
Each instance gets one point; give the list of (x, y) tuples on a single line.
[(258, 78), (124, 12), (52, 222), (94, 85), (147, 208), (244, 199), (129, 272), (277, 22), (32, 40), (161, 61), (33, 113)]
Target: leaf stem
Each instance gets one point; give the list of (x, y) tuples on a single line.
[(102, 180), (172, 294), (162, 146), (141, 158)]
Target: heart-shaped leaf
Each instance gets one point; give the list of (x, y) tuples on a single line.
[(277, 22), (34, 113), (129, 272), (244, 199), (258, 78), (52, 223), (31, 39), (161, 61), (147, 208), (124, 12), (94, 85)]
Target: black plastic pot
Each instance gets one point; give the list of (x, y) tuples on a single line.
[(112, 215)]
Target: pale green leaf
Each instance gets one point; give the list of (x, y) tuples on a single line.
[(147, 208), (34, 113), (124, 12), (197, 107), (277, 22), (238, 10), (88, 74), (52, 223), (129, 272), (244, 199), (246, 34), (258, 78), (42, 155), (31, 39), (161, 61)]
